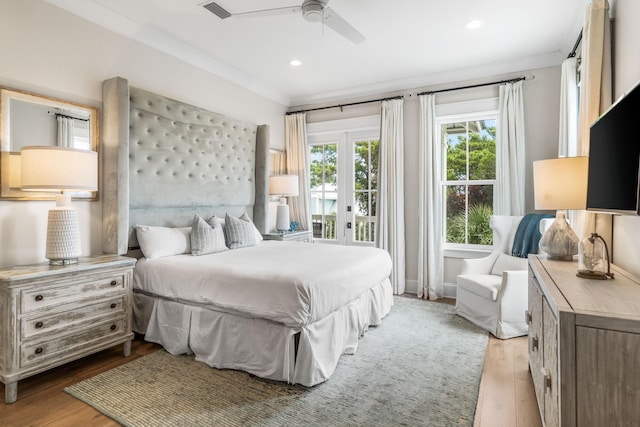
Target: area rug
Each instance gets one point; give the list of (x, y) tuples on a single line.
[(421, 367)]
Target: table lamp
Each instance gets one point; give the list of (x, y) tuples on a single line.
[(283, 185), (60, 169), (560, 184)]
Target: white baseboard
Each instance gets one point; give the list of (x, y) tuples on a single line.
[(449, 289)]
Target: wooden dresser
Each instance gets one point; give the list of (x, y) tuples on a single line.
[(50, 315), (584, 345)]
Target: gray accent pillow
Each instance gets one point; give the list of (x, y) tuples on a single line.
[(239, 232), (206, 237)]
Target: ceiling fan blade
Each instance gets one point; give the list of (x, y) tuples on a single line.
[(268, 12), (339, 25)]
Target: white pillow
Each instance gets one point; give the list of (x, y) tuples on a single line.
[(156, 242), (508, 262)]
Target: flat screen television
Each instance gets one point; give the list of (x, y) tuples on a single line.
[(614, 157)]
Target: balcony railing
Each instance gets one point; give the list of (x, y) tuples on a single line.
[(328, 225)]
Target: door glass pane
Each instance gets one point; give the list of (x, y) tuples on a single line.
[(482, 149), (456, 218), (455, 136), (365, 170), (323, 175), (479, 214)]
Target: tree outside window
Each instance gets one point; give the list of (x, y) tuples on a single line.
[(470, 160)]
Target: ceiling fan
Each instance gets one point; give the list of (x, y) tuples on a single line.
[(312, 11)]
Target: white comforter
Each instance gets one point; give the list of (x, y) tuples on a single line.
[(289, 282)]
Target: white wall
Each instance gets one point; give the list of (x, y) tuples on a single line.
[(541, 104), (626, 229), (49, 51)]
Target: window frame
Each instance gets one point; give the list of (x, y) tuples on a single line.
[(456, 118)]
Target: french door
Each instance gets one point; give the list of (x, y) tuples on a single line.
[(343, 174)]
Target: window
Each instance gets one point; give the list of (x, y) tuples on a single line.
[(323, 174), (365, 188), (469, 151), (343, 171)]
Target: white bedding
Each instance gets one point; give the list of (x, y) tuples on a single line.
[(292, 283)]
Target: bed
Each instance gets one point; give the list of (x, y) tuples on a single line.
[(285, 311)]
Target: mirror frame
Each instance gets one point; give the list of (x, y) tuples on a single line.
[(8, 157)]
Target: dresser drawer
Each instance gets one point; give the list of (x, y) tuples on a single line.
[(35, 353), (72, 315), (81, 287)]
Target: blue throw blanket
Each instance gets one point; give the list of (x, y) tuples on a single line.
[(528, 235)]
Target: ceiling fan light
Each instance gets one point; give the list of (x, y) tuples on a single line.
[(312, 11)]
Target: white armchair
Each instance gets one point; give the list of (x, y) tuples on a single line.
[(492, 291)]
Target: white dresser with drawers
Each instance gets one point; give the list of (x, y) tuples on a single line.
[(51, 315)]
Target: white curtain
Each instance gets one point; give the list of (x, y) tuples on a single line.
[(295, 140), (568, 135), (595, 88), (65, 131), (390, 203), (431, 221), (277, 162), (509, 197)]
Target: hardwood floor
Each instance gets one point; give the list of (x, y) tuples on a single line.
[(506, 396), (43, 402)]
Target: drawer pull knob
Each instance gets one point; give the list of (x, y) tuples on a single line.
[(113, 305), (113, 283), (39, 350), (546, 378), (39, 297), (39, 325), (113, 327)]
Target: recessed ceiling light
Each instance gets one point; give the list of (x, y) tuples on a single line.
[(472, 25), (295, 63)]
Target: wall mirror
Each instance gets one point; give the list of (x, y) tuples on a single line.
[(30, 119)]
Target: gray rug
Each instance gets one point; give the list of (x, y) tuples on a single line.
[(421, 367)]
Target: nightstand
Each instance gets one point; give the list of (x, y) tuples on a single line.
[(291, 236), (51, 315)]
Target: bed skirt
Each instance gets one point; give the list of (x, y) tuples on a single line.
[(305, 355)]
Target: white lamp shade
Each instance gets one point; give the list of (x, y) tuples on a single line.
[(283, 185), (58, 169), (560, 183)]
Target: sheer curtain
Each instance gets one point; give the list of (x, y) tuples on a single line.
[(509, 197), (568, 135), (390, 204), (430, 232), (65, 131), (295, 140), (595, 87)]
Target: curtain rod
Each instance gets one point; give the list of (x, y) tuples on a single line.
[(344, 105), (431, 92), (575, 46), (70, 117), (517, 79)]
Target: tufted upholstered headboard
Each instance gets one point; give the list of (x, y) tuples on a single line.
[(180, 160)]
